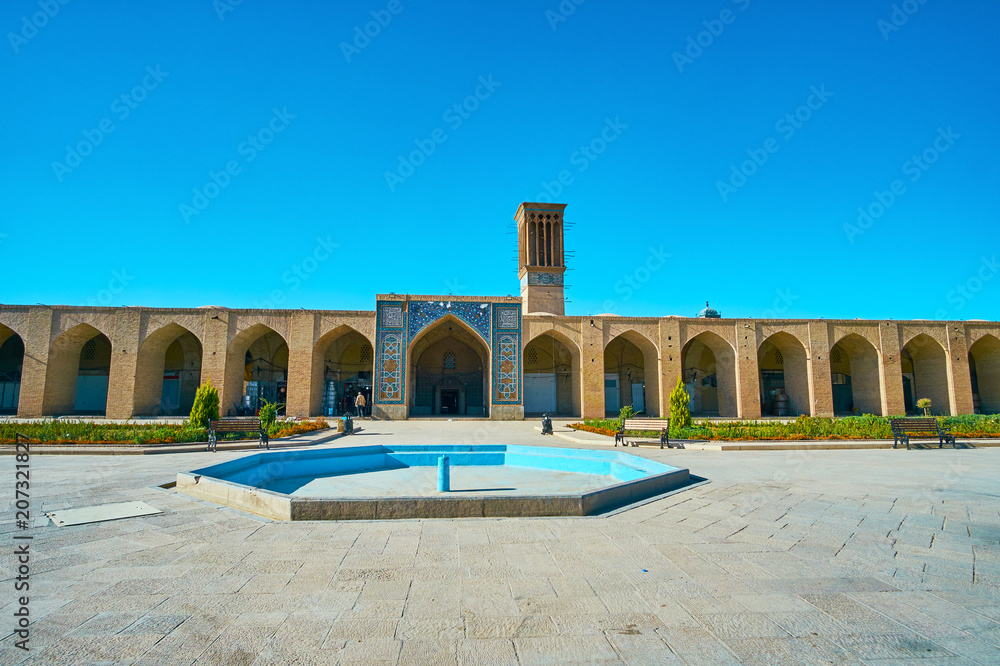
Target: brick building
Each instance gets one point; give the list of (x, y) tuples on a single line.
[(496, 357)]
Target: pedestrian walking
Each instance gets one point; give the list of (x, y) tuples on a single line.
[(360, 404)]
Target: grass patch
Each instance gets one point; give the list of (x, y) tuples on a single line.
[(145, 434), (803, 428)]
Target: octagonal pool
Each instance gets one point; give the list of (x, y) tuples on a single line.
[(378, 482)]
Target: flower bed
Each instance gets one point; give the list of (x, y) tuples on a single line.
[(126, 434), (803, 428)]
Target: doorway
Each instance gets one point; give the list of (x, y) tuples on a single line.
[(449, 401)]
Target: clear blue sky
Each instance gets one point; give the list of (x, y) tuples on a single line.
[(109, 227)]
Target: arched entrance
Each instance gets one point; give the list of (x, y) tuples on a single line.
[(256, 370), (11, 363), (984, 366), (708, 365), (630, 375), (855, 376), (784, 376), (343, 363), (551, 376), (168, 372), (925, 375), (79, 367), (449, 371)]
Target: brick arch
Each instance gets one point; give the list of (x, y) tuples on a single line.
[(984, 359), (236, 351), (342, 337), (64, 366), (650, 367), (575, 378), (722, 355), (436, 332), (11, 366), (860, 360), (794, 367), (927, 361), (151, 363)]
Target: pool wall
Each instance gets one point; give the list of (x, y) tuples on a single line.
[(234, 483)]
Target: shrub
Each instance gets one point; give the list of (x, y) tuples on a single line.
[(680, 411), (924, 404), (268, 413), (206, 405), (625, 412)]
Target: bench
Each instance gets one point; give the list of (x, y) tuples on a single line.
[(663, 425), (903, 429), (237, 424)]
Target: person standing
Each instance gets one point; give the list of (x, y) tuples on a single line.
[(360, 403)]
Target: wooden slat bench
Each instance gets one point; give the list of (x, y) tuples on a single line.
[(903, 429), (663, 425), (245, 424)]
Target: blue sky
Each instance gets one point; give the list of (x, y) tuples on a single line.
[(247, 140)]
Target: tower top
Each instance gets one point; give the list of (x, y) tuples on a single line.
[(541, 258)]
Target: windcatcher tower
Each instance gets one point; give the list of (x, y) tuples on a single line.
[(541, 262)]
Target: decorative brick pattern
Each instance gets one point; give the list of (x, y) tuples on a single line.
[(424, 313), (390, 355), (506, 353)]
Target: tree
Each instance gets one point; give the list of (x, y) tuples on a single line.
[(206, 405), (680, 411), (924, 404)]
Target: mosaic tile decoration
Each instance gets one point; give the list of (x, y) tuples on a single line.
[(506, 352), (424, 313), (546, 279), (390, 354)]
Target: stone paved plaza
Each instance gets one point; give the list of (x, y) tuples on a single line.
[(867, 556)]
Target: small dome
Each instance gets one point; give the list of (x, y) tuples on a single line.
[(709, 313), (210, 307), (607, 314)]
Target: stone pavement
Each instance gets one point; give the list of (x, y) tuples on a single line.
[(856, 556)]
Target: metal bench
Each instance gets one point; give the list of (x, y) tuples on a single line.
[(663, 425), (903, 429), (247, 424)]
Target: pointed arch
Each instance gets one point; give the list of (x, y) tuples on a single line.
[(552, 374), (11, 365), (633, 360), (79, 365), (984, 367), (168, 371), (856, 376), (432, 389), (708, 366), (342, 357), (783, 367), (925, 374), (268, 364)]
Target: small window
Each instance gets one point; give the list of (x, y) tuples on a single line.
[(778, 358), (90, 350), (366, 354), (531, 356), (835, 355), (449, 360)]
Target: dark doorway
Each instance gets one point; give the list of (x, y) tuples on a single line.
[(449, 401)]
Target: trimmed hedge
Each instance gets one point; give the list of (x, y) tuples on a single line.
[(804, 427)]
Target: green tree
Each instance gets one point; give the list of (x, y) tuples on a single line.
[(924, 404), (680, 412), (206, 405), (626, 412)]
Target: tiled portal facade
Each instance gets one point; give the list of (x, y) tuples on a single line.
[(514, 350)]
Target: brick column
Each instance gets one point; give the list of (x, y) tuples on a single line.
[(820, 376), (301, 335), (747, 370), (670, 361), (959, 376), (124, 363), (592, 367), (214, 342), (36, 356), (891, 372)]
